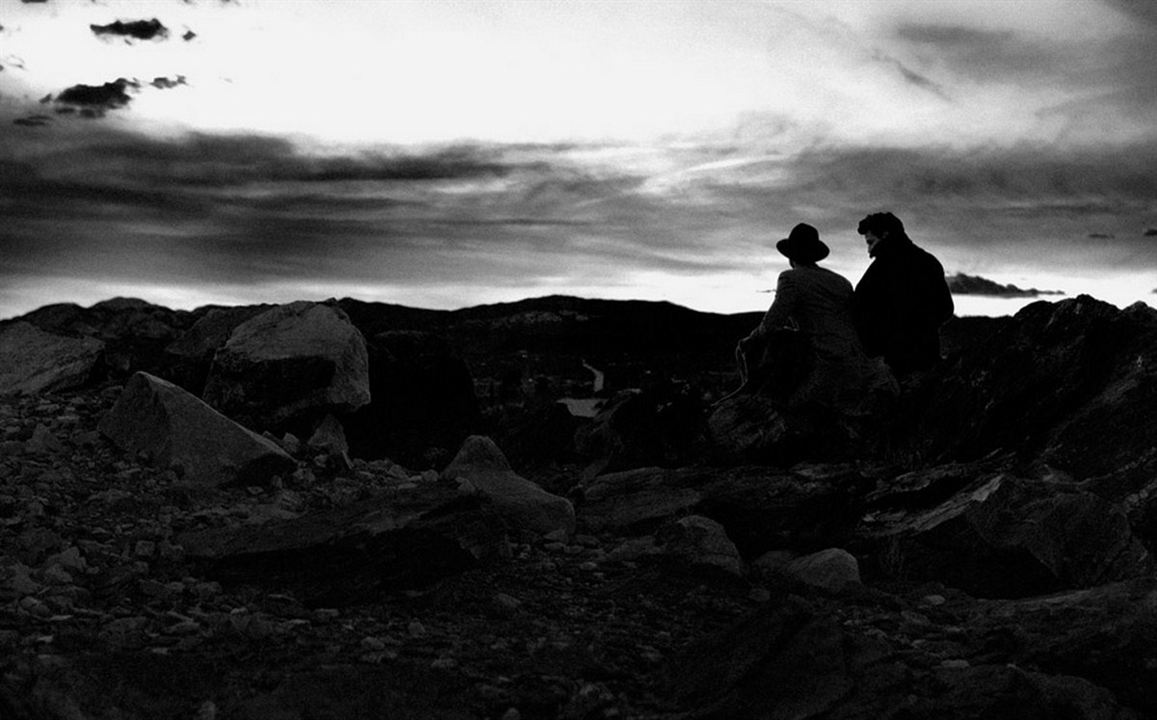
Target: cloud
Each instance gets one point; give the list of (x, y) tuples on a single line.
[(980, 54), (912, 77), (95, 100), (164, 83), (962, 284), (32, 121), (210, 210), (136, 29)]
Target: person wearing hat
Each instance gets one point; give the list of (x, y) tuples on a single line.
[(806, 349), (902, 299)]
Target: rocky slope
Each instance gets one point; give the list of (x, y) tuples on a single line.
[(985, 551)]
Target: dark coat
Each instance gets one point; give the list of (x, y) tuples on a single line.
[(900, 304)]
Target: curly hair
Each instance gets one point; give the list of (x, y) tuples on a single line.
[(882, 224)]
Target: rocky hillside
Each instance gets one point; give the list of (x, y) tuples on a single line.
[(344, 510)]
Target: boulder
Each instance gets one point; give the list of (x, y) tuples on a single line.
[(180, 431), (831, 569), (356, 552), (1003, 536), (762, 508), (635, 502), (699, 542), (480, 467), (747, 428), (36, 361), (192, 353), (291, 364), (329, 438), (423, 405)]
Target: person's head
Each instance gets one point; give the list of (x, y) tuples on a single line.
[(880, 227), (803, 246)]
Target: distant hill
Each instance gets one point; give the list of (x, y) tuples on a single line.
[(961, 284)]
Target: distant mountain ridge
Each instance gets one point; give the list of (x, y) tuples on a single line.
[(962, 284)]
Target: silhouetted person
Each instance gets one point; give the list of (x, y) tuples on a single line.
[(902, 299), (806, 350)]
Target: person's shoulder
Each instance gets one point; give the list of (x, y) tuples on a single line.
[(928, 258), (832, 276)]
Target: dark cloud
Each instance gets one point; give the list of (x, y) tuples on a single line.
[(985, 55), (32, 121), (189, 35), (164, 83), (136, 29), (95, 100), (1143, 11), (912, 77)]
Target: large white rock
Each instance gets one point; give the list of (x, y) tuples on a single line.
[(480, 466), (178, 430), (292, 361), (32, 360)]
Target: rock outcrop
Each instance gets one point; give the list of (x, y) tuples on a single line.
[(32, 360), (1004, 536), (134, 332), (180, 432), (291, 364)]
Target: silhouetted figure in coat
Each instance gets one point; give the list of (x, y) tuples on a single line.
[(806, 350), (902, 299)]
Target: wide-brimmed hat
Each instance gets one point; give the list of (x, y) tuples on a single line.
[(803, 244)]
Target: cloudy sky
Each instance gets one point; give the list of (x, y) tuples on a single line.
[(447, 154)]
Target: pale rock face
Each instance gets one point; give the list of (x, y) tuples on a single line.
[(291, 361), (33, 361), (180, 431)]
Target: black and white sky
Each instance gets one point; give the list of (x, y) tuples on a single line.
[(452, 153)]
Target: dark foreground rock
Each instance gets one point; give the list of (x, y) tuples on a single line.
[(178, 432), (358, 552), (998, 535)]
